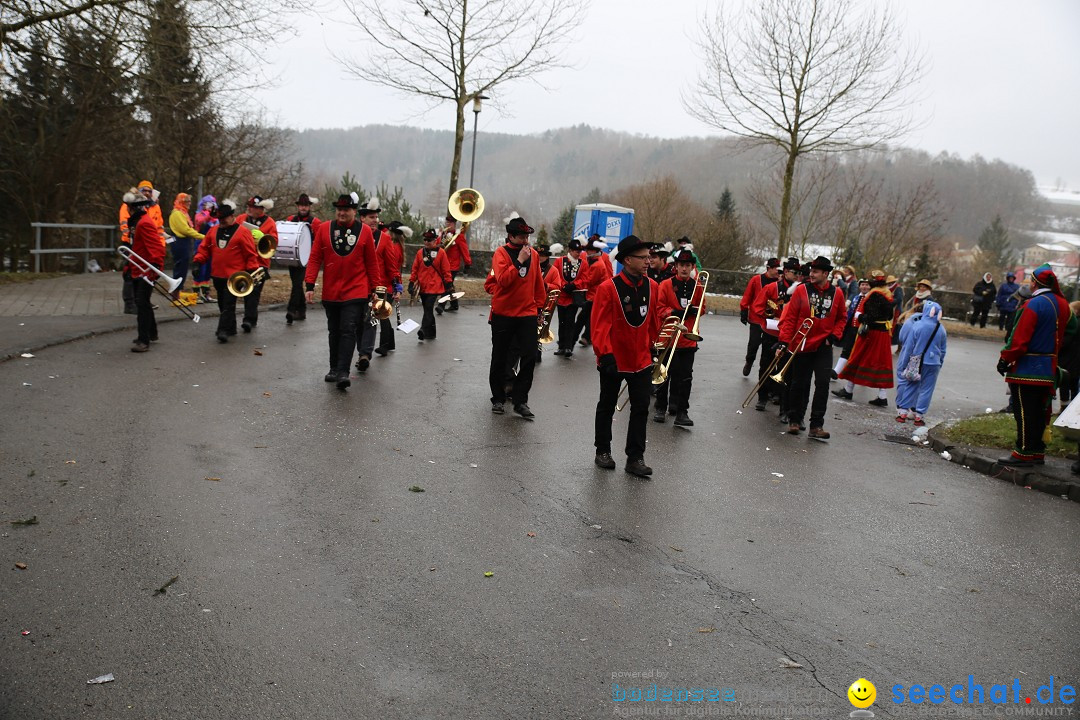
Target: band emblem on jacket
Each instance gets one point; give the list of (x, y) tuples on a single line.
[(343, 238), (820, 301)]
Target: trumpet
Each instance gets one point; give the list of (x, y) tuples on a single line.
[(798, 339), (543, 328), (170, 284), (242, 283)]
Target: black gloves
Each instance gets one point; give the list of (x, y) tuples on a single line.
[(412, 288), (607, 365), (1003, 366), (196, 268), (448, 287), (468, 267), (569, 287), (744, 317)]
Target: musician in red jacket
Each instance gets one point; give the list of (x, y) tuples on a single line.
[(457, 252), (749, 315), (823, 302), (229, 247), (570, 275), (365, 337), (256, 215), (297, 308), (391, 255), (430, 277), (518, 294), (626, 320), (769, 305), (600, 270), (146, 243), (679, 294), (344, 250)]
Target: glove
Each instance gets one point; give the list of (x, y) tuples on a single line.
[(196, 268), (1003, 366), (399, 289), (744, 317), (569, 287), (448, 287), (607, 366), (468, 267), (412, 288)]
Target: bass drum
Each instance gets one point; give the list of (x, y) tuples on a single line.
[(294, 244)]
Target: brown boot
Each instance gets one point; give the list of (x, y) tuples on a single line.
[(819, 433), (793, 428)]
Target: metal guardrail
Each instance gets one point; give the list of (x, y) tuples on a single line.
[(38, 251)]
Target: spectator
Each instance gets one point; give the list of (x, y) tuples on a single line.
[(204, 220), (1069, 363), (183, 232), (982, 297), (870, 362), (924, 337), (1006, 302)]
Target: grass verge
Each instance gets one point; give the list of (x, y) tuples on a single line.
[(998, 430)]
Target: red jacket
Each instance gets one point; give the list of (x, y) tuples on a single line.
[(556, 280), (352, 276), (390, 256), (828, 316), (147, 244), (770, 292), (514, 294), (750, 295), (672, 304), (600, 271), (612, 333), (458, 252), (431, 279), (238, 253), (268, 227)]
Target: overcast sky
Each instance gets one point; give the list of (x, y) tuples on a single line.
[(1003, 79)]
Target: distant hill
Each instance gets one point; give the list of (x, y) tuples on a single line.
[(541, 174)]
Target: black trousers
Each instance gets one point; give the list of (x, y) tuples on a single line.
[(1005, 320), (1029, 406), (506, 332), (586, 324), (387, 341), (768, 352), (639, 385), (810, 367), (571, 323), (754, 342), (365, 337), (226, 303), (144, 310), (980, 313), (674, 393), (127, 293), (848, 341), (297, 305), (251, 304), (342, 319), (427, 323)]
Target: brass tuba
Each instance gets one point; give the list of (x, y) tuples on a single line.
[(543, 328), (242, 283), (465, 205)]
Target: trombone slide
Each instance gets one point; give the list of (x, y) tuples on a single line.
[(164, 284)]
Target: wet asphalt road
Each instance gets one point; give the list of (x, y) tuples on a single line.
[(311, 583)]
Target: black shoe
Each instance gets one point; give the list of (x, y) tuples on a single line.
[(568, 354), (419, 334), (760, 406), (153, 338), (438, 310), (288, 318), (130, 310), (604, 460), (497, 408), (638, 467), (222, 337), (363, 363), (381, 351), (659, 416), (843, 394), (747, 366), (453, 308), (343, 380), (140, 347), (330, 376), (584, 342), (558, 352), (523, 410), (245, 326), (833, 375), (879, 402), (683, 420), (1011, 461)]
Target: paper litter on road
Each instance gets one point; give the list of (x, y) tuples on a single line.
[(779, 474), (945, 454), (27, 385), (27, 355), (101, 679), (408, 326)]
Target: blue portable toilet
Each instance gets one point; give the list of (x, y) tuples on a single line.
[(611, 222)]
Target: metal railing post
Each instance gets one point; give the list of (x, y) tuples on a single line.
[(37, 246)]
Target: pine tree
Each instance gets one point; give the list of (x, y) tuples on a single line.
[(542, 236), (926, 268), (995, 250), (563, 228)]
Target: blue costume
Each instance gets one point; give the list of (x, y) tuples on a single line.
[(1006, 303), (921, 334)]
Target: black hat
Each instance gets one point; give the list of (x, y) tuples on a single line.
[(805, 270), (225, 208), (821, 263), (371, 207), (430, 234), (684, 256), (683, 240), (352, 200), (518, 226), (792, 263), (629, 244), (544, 250), (772, 263), (134, 198), (575, 244), (304, 200), (659, 250)]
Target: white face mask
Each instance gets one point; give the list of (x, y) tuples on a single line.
[(922, 294)]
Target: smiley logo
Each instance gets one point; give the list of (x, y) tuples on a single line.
[(862, 693)]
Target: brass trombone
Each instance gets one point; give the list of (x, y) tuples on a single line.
[(170, 284), (673, 329), (242, 283), (543, 328), (798, 339)]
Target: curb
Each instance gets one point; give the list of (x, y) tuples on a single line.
[(1023, 477)]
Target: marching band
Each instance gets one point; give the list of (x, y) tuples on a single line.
[(643, 322)]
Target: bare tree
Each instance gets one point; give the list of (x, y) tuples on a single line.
[(457, 50), (805, 76)]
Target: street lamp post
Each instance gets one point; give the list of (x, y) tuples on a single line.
[(476, 118)]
